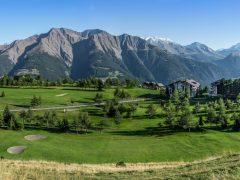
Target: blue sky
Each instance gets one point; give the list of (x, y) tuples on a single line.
[(213, 22)]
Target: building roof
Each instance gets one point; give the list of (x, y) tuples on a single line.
[(154, 84), (192, 82)]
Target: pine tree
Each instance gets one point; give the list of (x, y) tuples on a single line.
[(100, 85), (200, 121), (170, 115), (197, 108), (238, 100), (117, 92), (222, 118), (85, 121), (23, 116), (211, 115), (9, 119), (98, 98), (63, 125), (77, 124), (151, 110), (3, 94), (175, 97), (117, 118), (102, 124), (6, 116), (236, 121), (186, 120)]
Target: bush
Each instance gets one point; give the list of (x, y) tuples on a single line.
[(3, 94), (121, 164)]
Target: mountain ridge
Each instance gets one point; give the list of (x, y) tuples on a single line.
[(62, 52)]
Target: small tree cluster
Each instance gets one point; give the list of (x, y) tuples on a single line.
[(184, 121), (8, 119), (36, 101), (82, 122), (98, 98), (121, 93)]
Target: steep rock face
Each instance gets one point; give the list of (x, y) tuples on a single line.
[(56, 45), (18, 48), (99, 55), (129, 56)]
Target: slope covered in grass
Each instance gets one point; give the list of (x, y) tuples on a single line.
[(222, 167)]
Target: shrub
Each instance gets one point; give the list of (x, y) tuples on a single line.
[(121, 164), (3, 94)]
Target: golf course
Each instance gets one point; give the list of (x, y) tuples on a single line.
[(137, 139)]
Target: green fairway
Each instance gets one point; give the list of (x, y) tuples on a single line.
[(21, 97), (139, 144)]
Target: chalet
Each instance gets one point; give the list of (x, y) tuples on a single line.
[(227, 88), (183, 85), (153, 85)]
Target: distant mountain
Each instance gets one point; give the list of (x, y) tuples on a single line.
[(233, 49), (201, 52), (167, 44), (231, 64), (195, 51), (63, 53)]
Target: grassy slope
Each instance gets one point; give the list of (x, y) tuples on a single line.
[(116, 145), (225, 167)]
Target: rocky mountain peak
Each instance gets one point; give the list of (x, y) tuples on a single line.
[(200, 47), (90, 32), (18, 47)]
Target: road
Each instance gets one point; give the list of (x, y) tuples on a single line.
[(73, 108)]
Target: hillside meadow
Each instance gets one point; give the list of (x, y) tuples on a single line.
[(136, 139)]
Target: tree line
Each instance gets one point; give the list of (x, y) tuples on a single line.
[(91, 82)]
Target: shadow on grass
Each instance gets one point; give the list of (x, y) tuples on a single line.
[(165, 131), (149, 131), (158, 131), (143, 117), (95, 112), (21, 105), (79, 89), (149, 95)]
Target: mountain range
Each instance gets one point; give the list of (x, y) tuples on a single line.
[(62, 53)]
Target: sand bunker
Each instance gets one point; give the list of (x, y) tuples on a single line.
[(16, 149), (60, 95), (34, 137)]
